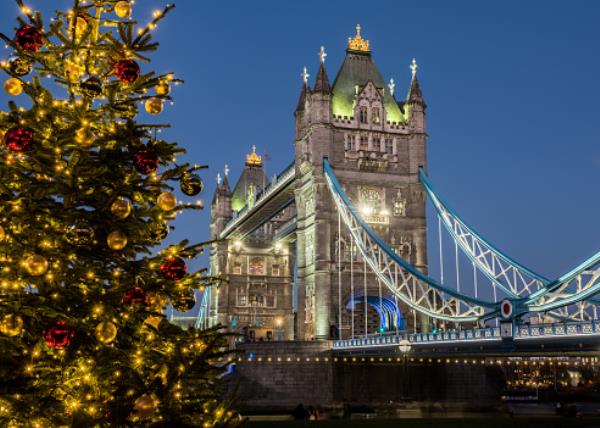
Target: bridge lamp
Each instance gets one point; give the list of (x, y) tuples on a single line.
[(404, 346), (366, 209), (278, 321)]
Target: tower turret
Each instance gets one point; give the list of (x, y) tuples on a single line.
[(415, 104)]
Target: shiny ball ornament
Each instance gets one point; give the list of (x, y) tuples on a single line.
[(73, 70), (173, 267), (116, 240), (146, 160), (159, 232), (11, 325), (84, 137), (163, 88), (191, 184), (134, 296), (145, 406), (166, 201), (156, 301), (29, 38), (184, 301), (13, 86), (36, 265), (123, 9), (91, 86), (59, 335), (154, 105), (80, 233), (106, 332), (2, 234), (18, 139), (127, 70), (18, 66), (121, 208)]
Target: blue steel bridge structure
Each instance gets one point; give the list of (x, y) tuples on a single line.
[(503, 304)]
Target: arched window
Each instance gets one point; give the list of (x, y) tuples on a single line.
[(363, 115)]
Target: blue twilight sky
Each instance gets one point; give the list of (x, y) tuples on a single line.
[(511, 87)]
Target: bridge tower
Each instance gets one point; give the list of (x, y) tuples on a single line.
[(376, 146)]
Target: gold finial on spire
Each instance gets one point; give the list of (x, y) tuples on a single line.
[(253, 159), (358, 43)]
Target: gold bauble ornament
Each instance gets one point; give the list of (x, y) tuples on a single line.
[(11, 325), (84, 137), (167, 201), (36, 265), (163, 373), (163, 88), (156, 301), (106, 332), (81, 25), (121, 208), (123, 9), (116, 240), (2, 234), (154, 105), (13, 86), (145, 406), (73, 70)]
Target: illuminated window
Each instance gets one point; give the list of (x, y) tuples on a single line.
[(375, 115), (237, 268), (275, 270), (242, 300)]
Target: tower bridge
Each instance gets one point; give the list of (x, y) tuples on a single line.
[(335, 246)]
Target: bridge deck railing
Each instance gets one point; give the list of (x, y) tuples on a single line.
[(521, 332)]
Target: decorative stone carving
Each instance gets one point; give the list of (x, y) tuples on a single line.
[(399, 205)]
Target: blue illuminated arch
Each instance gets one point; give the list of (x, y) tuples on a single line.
[(390, 316)]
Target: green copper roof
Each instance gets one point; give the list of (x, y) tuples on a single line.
[(358, 68)]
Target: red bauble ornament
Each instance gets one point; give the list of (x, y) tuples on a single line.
[(146, 160), (173, 267), (59, 335), (18, 139), (134, 295), (127, 70), (29, 38)]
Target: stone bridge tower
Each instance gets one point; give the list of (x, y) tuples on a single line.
[(376, 146)]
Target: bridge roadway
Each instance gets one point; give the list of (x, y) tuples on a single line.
[(538, 340)]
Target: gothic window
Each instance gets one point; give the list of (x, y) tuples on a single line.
[(270, 301), (364, 142), (399, 205), (275, 270), (375, 115), (363, 115), (242, 300), (256, 266), (389, 146), (376, 144)]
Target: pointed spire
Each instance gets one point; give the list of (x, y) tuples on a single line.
[(225, 186), (322, 83), (414, 94), (304, 91)]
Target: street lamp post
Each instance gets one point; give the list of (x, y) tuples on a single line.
[(404, 347)]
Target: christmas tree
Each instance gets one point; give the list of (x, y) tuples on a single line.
[(85, 197)]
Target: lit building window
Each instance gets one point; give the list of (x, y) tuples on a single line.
[(275, 270), (237, 268), (375, 115)]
